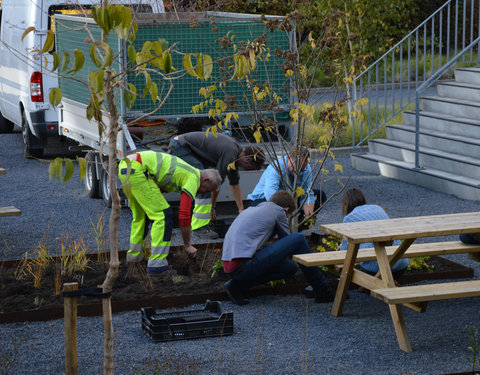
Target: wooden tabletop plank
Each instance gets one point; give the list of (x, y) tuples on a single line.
[(10, 211), (407, 227)]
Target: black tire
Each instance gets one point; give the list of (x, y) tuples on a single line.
[(105, 188), (31, 148), (5, 125), (92, 184)]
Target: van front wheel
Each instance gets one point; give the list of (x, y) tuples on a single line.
[(105, 188), (30, 149)]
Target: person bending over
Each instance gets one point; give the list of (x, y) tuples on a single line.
[(249, 260), (222, 153), (296, 163), (149, 174)]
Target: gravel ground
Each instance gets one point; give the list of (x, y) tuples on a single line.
[(275, 335)]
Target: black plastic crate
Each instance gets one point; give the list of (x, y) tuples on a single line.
[(187, 324)]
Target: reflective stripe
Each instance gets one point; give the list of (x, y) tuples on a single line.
[(200, 201), (201, 216), (134, 253), (135, 247), (157, 262)]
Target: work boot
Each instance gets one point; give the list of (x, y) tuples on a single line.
[(327, 294), (235, 294)]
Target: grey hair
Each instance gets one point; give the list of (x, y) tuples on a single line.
[(214, 176)]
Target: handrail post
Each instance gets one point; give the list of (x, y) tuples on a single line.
[(417, 130)]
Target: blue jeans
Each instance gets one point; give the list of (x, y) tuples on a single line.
[(470, 238), (272, 263)]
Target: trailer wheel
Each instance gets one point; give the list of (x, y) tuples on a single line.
[(30, 149), (105, 188), (91, 179)]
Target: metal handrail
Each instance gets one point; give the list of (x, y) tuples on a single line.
[(450, 28)]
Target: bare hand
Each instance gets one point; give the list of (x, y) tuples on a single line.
[(191, 251), (213, 214)]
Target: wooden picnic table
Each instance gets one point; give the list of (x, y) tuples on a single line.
[(382, 285)]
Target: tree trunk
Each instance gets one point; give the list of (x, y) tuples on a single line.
[(112, 132)]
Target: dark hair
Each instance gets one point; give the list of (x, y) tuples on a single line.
[(256, 154), (299, 152), (352, 198), (284, 199)]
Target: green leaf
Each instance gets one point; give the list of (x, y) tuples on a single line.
[(108, 56), (168, 64), (51, 170), (199, 66), (132, 54), (187, 64), (49, 42), (153, 91), (79, 61), (207, 66), (55, 96), (65, 61), (56, 61), (90, 111), (68, 170), (57, 169), (148, 83), (27, 31), (131, 37), (82, 167), (93, 55), (95, 81), (130, 96)]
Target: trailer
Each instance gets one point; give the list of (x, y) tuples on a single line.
[(190, 33)]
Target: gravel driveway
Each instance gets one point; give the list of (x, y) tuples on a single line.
[(273, 335)]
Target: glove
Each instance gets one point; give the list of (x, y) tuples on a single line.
[(134, 258)]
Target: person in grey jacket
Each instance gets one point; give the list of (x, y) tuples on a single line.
[(222, 153), (249, 260)]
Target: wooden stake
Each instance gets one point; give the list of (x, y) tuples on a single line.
[(70, 319)]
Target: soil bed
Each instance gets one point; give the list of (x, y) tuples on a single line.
[(135, 289)]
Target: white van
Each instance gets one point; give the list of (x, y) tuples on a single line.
[(25, 83)]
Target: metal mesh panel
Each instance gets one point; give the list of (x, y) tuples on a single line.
[(71, 35), (202, 38)]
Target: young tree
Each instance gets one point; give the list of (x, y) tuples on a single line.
[(104, 84)]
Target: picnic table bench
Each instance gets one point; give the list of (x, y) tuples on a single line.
[(10, 210), (382, 285)]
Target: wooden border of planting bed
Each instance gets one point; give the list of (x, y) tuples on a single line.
[(95, 309)]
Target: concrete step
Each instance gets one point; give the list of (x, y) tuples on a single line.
[(459, 90), (456, 144), (428, 157), (462, 187), (451, 106), (468, 75), (444, 123)]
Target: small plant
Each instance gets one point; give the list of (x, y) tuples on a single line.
[(473, 347), (274, 283), (420, 263), (74, 256), (216, 268), (100, 238), (177, 279), (34, 266)]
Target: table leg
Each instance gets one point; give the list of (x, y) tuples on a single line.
[(345, 279), (395, 310)]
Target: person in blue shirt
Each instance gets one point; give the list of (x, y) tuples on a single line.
[(271, 181), (355, 208)]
